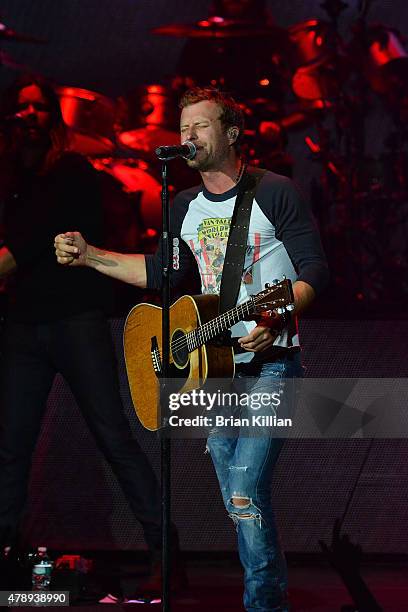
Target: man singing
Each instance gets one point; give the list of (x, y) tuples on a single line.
[(282, 239)]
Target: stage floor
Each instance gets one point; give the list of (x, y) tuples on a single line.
[(216, 586)]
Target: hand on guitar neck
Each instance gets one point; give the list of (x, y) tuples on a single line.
[(268, 328), (270, 325)]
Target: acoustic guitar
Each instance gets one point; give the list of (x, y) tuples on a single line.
[(195, 354)]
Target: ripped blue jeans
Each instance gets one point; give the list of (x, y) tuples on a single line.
[(244, 464)]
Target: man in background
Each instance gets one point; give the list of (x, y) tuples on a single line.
[(46, 331)]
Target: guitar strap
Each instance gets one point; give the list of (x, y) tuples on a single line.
[(237, 240)]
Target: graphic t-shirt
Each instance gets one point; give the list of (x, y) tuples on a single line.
[(282, 241)]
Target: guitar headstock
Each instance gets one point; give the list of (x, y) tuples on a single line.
[(276, 296)]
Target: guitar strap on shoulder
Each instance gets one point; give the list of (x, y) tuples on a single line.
[(237, 240)]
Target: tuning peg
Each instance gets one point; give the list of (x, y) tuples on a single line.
[(290, 307), (283, 277), (280, 310), (275, 281), (267, 285)]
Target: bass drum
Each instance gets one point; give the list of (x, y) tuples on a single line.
[(141, 181), (135, 179)]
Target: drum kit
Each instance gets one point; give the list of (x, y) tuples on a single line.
[(319, 75)]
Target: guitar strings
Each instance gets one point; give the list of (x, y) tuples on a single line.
[(204, 330), (207, 328)]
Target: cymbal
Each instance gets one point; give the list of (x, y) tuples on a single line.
[(218, 27), (8, 34)]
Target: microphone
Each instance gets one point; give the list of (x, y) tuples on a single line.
[(187, 150)]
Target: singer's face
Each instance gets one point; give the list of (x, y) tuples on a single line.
[(201, 124), (35, 113)]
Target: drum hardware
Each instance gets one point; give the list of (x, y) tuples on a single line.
[(318, 59), (219, 39), (312, 41), (221, 35), (329, 162)]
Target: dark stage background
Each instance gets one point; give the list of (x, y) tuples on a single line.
[(105, 45), (77, 504)]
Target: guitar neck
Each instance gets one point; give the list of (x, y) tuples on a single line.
[(210, 330)]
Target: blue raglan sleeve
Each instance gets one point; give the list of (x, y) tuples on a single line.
[(288, 211)]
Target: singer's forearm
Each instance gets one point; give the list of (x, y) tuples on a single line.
[(128, 268)]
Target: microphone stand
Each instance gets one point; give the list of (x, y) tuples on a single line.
[(165, 440), (165, 154)]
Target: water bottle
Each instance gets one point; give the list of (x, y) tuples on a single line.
[(42, 569)]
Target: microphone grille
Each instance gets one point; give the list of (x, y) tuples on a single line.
[(192, 148)]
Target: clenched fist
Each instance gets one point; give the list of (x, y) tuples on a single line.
[(71, 249)]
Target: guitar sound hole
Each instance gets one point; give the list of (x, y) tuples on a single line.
[(179, 348)]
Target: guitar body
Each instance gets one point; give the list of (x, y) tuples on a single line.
[(143, 332)]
